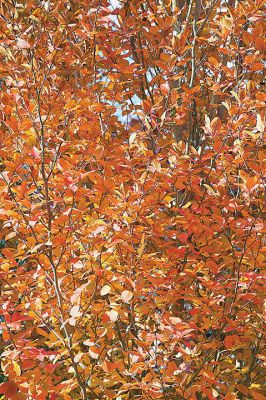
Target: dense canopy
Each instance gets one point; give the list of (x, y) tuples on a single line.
[(132, 199)]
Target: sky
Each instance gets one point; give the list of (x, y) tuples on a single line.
[(115, 3)]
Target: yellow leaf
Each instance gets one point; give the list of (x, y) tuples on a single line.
[(3, 51), (33, 315), (16, 368), (254, 386), (142, 246), (210, 189)]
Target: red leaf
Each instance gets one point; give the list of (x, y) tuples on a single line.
[(9, 389)]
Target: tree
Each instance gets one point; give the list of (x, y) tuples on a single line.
[(132, 198)]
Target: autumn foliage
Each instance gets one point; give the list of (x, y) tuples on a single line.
[(132, 199)]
